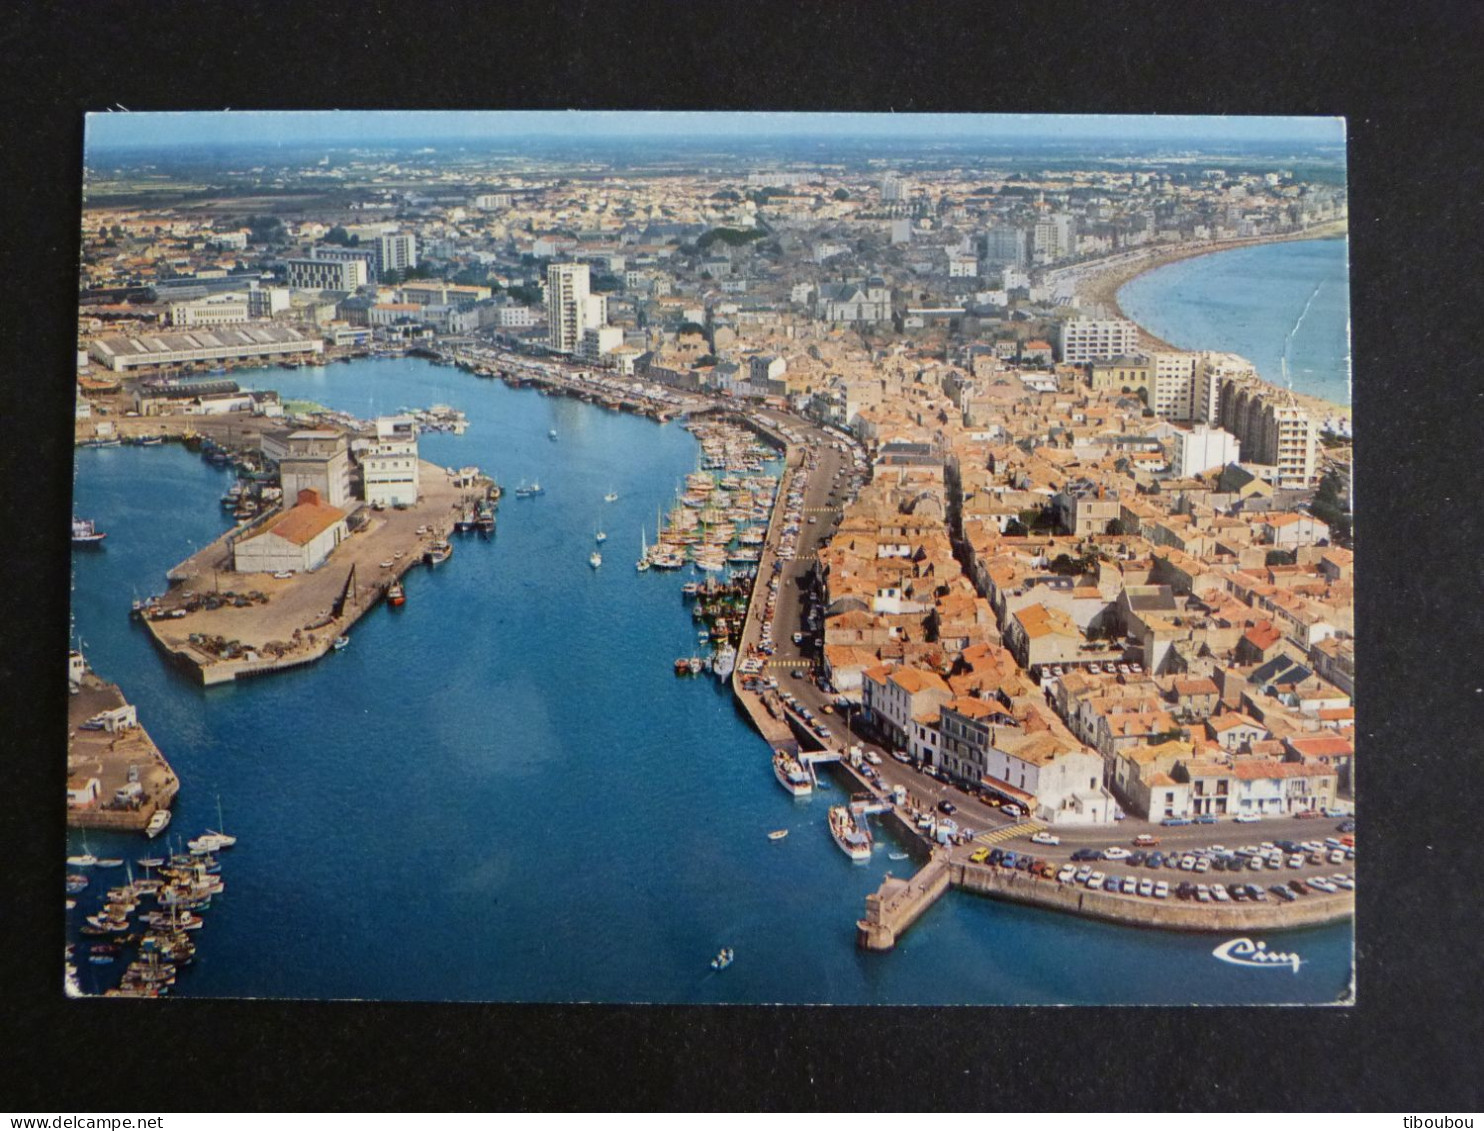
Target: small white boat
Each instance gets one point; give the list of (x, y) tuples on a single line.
[(611, 497), (551, 435), (778, 834), (723, 958), (341, 642), (157, 823), (112, 862), (595, 559)]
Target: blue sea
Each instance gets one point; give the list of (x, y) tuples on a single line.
[(500, 792), (1262, 302)]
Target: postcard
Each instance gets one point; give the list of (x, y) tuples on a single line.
[(713, 558)]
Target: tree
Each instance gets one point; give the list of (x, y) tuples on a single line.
[(841, 194), (338, 235), (1117, 529), (526, 294)]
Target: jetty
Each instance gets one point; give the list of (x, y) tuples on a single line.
[(116, 776), (221, 625)]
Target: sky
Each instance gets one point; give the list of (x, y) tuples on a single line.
[(122, 129)]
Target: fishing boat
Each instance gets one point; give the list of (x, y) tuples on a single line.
[(341, 642), (111, 862), (438, 552), (778, 834), (724, 662), (791, 774), (76, 883), (696, 665), (84, 533), (850, 833), (157, 822), (723, 959)]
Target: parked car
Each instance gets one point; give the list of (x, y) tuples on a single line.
[(996, 856), (1130, 885), (1283, 893), (1084, 873), (1067, 873), (1013, 810), (1162, 889), (1146, 887), (1175, 822), (1245, 818), (1095, 882), (1205, 819), (1156, 860), (979, 856), (1113, 852)]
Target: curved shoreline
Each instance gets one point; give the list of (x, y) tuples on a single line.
[(1101, 285)]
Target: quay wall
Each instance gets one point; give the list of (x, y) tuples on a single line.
[(898, 904), (1021, 887)]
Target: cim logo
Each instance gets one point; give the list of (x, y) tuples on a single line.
[(1245, 952)]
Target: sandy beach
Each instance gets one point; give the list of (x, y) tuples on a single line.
[(1098, 284)]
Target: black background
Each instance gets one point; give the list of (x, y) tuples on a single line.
[(1407, 81)]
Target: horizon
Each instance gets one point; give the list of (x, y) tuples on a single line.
[(172, 130)]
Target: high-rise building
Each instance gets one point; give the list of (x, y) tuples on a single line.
[(1054, 238), (396, 252), (894, 189), (1172, 384), (1004, 246), (1089, 339), (571, 307), (1274, 429)]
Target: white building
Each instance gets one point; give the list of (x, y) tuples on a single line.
[(389, 464), (1202, 448), (1097, 339), (571, 307), (213, 310), (396, 252), (598, 341), (300, 540), (1172, 384), (326, 274)]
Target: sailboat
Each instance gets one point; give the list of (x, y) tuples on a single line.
[(643, 563), (611, 497), (86, 859), (595, 559), (223, 840), (599, 536)]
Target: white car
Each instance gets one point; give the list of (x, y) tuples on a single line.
[(1219, 894), (1296, 860), (1044, 837), (1162, 890), (1146, 887), (1067, 873), (1245, 818), (1095, 882), (1130, 885), (1116, 852)]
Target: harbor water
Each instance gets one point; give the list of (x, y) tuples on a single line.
[(501, 791), (1259, 302)]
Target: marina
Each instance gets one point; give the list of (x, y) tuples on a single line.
[(536, 653)]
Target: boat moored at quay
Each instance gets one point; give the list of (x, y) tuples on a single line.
[(850, 833), (791, 774)]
